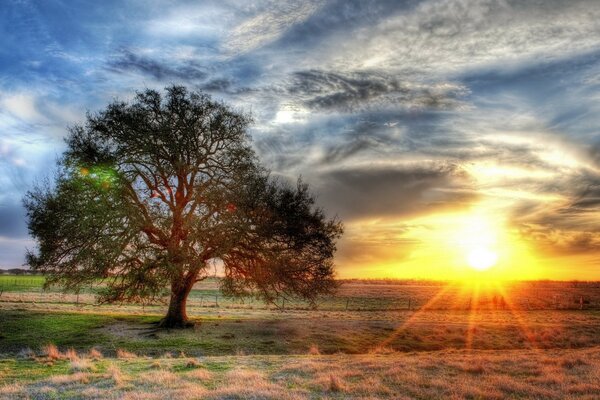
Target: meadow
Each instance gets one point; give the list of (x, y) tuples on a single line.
[(374, 339)]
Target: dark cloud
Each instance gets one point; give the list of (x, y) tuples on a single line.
[(365, 136), (552, 241), (127, 61), (357, 193), (584, 193), (567, 229), (217, 85), (329, 91), (361, 251), (13, 222)]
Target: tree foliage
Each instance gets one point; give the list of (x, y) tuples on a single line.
[(150, 193)]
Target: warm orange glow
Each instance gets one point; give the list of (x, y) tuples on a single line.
[(471, 245)]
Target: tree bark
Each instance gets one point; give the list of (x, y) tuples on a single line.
[(176, 315)]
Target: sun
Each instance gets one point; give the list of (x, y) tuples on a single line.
[(482, 259)]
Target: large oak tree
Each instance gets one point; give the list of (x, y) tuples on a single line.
[(150, 193)]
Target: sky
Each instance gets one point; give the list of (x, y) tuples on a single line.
[(437, 131)]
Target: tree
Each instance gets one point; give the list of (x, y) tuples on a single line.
[(150, 193)]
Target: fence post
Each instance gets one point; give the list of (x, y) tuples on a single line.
[(216, 300), (347, 301), (409, 304)]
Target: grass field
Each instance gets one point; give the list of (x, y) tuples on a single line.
[(521, 340)]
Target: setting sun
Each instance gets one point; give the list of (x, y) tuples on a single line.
[(482, 259)]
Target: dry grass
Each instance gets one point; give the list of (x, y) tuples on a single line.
[(71, 355), (572, 362), (531, 374), (511, 354), (95, 354), (382, 350), (82, 365), (125, 355), (335, 384), (114, 373), (75, 378), (192, 363), (313, 350), (200, 375), (52, 352)]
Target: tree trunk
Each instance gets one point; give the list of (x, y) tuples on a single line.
[(176, 315)]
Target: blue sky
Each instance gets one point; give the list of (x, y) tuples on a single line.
[(391, 110)]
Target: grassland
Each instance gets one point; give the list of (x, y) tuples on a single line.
[(521, 340), (555, 374)]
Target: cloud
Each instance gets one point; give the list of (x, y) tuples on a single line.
[(268, 25), (128, 61), (365, 245), (450, 36), (329, 91), (550, 241), (180, 21), (12, 220), (22, 105), (393, 191)]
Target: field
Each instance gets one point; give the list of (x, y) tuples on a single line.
[(374, 339)]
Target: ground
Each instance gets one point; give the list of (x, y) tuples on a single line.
[(373, 340)]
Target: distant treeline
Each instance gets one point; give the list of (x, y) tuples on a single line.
[(392, 281), (426, 282), (18, 271)]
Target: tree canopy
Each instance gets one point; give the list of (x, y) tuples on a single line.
[(150, 193)]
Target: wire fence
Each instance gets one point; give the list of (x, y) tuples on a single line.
[(204, 299), (352, 296)]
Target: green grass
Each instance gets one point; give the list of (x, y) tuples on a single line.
[(29, 319), (21, 283), (27, 329), (13, 370), (331, 333)]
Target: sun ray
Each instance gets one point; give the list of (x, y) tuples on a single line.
[(474, 307), (416, 315), (523, 326), (516, 313)]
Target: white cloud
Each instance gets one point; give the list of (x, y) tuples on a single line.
[(203, 20), (21, 105), (268, 25), (456, 35)]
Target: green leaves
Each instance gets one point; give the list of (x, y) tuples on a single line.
[(150, 192)]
